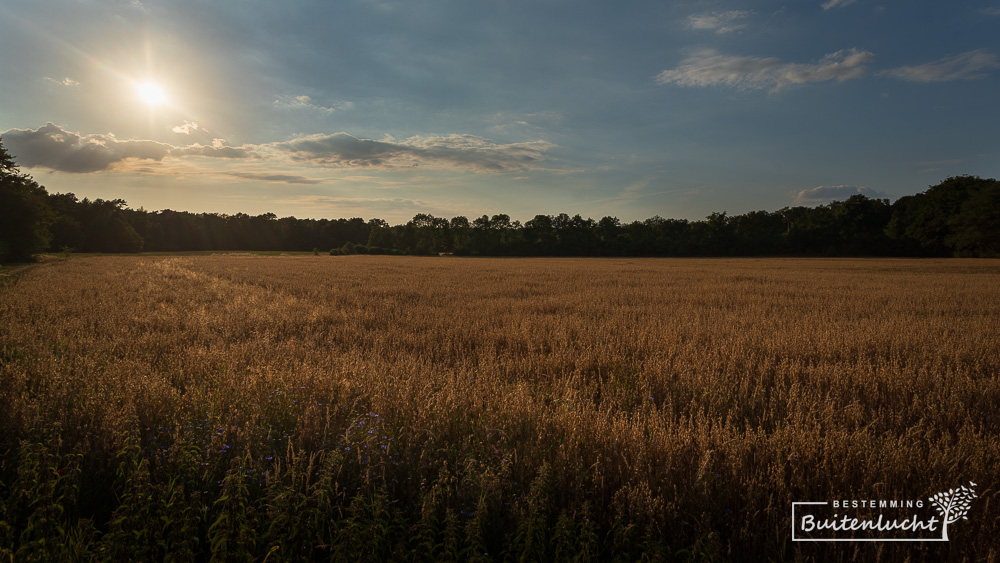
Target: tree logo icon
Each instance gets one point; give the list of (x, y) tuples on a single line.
[(953, 506)]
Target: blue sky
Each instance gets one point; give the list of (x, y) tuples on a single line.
[(385, 108)]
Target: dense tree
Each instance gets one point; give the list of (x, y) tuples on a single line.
[(960, 217), (975, 229), (758, 233), (24, 214), (957, 216)]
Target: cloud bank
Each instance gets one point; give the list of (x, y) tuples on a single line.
[(53, 147), (709, 68)]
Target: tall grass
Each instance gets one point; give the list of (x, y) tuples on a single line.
[(429, 409)]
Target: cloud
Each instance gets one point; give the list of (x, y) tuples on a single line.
[(991, 11), (966, 66), (218, 149), (463, 152), (282, 178), (187, 128), (720, 22), (69, 82), (836, 3), (306, 102), (52, 147), (826, 194), (357, 204), (708, 68)]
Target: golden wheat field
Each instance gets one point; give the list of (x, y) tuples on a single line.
[(239, 407)]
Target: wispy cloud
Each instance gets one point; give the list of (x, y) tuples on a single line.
[(826, 194), (720, 22), (306, 102), (218, 149), (464, 152), (966, 66), (269, 177), (69, 82), (360, 204), (928, 166), (709, 68), (836, 4)]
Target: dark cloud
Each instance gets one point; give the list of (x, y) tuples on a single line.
[(826, 194), (466, 152), (50, 146), (341, 149)]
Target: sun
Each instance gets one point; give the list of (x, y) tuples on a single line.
[(151, 93)]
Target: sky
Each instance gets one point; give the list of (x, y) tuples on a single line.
[(389, 108)]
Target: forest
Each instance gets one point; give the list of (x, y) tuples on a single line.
[(958, 217)]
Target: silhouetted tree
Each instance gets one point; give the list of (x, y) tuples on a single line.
[(944, 219), (24, 213), (960, 216)]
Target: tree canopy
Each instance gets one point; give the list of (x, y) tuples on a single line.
[(958, 217), (25, 215)]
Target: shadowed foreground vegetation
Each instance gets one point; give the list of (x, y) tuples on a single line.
[(376, 408)]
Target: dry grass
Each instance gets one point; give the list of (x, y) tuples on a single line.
[(674, 405)]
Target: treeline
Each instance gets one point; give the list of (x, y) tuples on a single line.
[(958, 217)]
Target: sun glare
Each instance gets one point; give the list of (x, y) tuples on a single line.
[(151, 93)]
